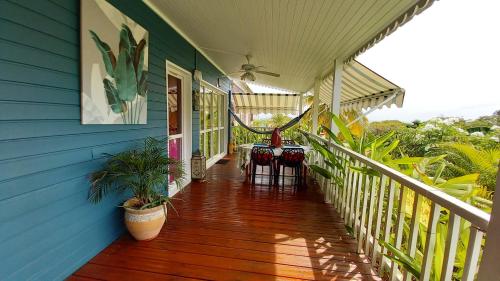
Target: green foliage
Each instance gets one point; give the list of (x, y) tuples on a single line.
[(278, 120), (144, 172), (128, 79), (401, 258), (108, 57), (473, 165), (466, 153), (383, 127), (465, 159)]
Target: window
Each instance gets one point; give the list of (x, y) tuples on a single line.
[(212, 121), (175, 137)]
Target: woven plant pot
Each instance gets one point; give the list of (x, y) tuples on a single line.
[(144, 224)]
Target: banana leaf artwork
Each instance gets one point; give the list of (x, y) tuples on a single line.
[(114, 66)]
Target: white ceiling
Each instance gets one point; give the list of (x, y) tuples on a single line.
[(297, 38)]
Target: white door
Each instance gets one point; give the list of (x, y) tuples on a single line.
[(213, 123), (179, 119)]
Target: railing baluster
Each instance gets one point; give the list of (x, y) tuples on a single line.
[(360, 199), (399, 227), (336, 189), (415, 219), (347, 189), (369, 224), (352, 220), (451, 246), (388, 222), (473, 251), (343, 176), (431, 242), (357, 226), (348, 210), (332, 193), (366, 188), (378, 222)]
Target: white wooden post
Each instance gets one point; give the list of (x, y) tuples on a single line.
[(301, 103), (489, 269), (336, 91), (315, 106)]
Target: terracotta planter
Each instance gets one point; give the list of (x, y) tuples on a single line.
[(144, 224)]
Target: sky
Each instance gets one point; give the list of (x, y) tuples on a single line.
[(447, 59)]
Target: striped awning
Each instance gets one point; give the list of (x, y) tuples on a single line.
[(266, 103), (362, 88)]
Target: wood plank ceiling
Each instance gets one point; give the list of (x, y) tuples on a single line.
[(297, 38)]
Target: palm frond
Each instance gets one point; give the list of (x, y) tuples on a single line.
[(145, 172)]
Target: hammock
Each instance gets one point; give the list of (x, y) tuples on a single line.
[(282, 128)]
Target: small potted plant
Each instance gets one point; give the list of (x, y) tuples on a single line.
[(146, 173)]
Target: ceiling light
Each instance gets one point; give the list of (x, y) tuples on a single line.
[(248, 76)]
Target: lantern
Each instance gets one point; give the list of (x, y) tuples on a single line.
[(198, 166)]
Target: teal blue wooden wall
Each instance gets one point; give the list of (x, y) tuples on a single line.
[(47, 227)]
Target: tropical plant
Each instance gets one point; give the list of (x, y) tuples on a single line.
[(355, 121), (278, 120), (465, 159), (323, 113), (381, 148), (144, 172), (126, 83), (330, 159)]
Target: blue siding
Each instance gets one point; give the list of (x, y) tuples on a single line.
[(47, 227)]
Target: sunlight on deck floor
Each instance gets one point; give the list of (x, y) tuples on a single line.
[(229, 230)]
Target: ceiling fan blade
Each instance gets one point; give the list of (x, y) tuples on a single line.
[(236, 72), (268, 73)]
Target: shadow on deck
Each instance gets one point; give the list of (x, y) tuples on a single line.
[(229, 230)]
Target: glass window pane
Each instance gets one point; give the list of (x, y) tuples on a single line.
[(174, 105), (202, 108), (202, 143), (215, 143), (175, 150), (215, 110), (208, 137), (208, 105), (222, 111)]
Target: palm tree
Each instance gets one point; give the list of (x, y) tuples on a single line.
[(465, 159)]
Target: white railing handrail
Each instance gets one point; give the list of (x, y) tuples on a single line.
[(475, 216)]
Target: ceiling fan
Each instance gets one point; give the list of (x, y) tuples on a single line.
[(248, 71)]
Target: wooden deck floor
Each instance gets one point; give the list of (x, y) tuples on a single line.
[(228, 230)]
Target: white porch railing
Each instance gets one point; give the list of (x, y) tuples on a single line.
[(366, 204)]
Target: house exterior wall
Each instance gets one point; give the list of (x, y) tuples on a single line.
[(47, 227)]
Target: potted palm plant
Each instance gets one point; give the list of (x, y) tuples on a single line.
[(145, 173)]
